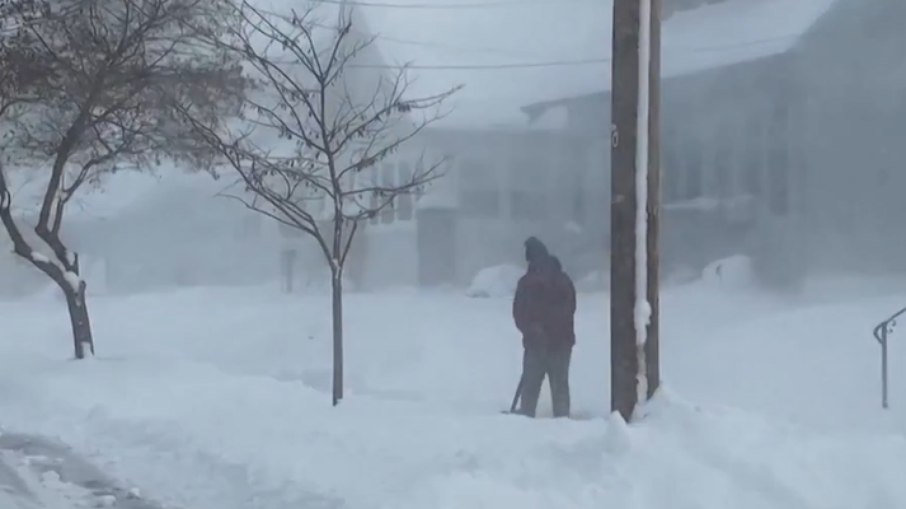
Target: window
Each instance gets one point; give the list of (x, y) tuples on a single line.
[(778, 182), (372, 197), (753, 165), (420, 170), (693, 174), (479, 191), (405, 201), (722, 169), (388, 180), (485, 203), (529, 188), (672, 173), (752, 171)]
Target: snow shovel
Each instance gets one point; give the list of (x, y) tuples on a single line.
[(516, 397)]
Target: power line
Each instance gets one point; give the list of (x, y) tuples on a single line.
[(565, 63), (430, 44), (409, 42), (743, 44), (512, 65), (465, 5), (524, 65), (402, 41), (450, 47), (476, 49)]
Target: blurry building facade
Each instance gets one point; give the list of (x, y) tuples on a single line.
[(781, 139)]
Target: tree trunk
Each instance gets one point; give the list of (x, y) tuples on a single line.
[(337, 312), (66, 265), (79, 319)]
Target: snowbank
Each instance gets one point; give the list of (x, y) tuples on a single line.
[(680, 456), (210, 440), (494, 282), (220, 398), (734, 272)]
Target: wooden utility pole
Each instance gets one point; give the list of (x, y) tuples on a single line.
[(635, 155)]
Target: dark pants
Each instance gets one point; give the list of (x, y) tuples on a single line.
[(538, 361)]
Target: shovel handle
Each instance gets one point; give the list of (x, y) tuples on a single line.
[(516, 396)]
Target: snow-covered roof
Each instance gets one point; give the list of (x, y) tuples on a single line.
[(735, 31), (473, 45), (466, 46)]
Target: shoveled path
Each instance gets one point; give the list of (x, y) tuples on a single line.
[(58, 469)]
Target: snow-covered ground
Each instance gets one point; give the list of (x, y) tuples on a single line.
[(23, 488), (217, 399), (41, 473)]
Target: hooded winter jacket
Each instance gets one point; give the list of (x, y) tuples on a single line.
[(545, 300)]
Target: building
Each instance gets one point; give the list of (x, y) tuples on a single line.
[(740, 147), (496, 186), (853, 80), (782, 138), (781, 122)]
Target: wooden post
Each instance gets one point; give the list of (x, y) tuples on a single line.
[(632, 364), (652, 345)]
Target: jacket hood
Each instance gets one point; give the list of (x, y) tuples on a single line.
[(535, 250)]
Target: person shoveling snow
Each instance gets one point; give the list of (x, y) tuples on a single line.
[(543, 310)]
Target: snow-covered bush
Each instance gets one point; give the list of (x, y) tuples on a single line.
[(497, 281)]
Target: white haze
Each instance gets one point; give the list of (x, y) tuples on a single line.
[(783, 243), (785, 147)]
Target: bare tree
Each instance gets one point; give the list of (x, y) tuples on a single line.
[(103, 97), (307, 145)]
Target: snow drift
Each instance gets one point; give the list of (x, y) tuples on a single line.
[(495, 282), (220, 398), (731, 273)]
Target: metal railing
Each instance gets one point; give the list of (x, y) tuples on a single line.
[(881, 333)]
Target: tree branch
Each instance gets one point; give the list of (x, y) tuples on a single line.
[(323, 141)]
